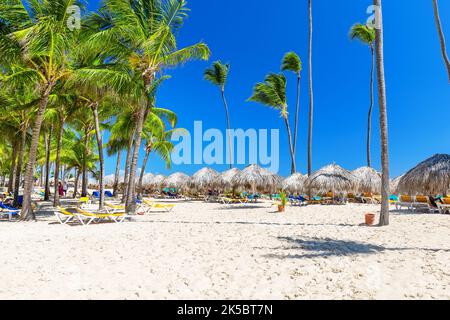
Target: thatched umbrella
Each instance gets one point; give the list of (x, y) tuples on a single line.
[(295, 183), (147, 180), (156, 182), (332, 178), (368, 179), (109, 181), (431, 176), (393, 184), (257, 178), (204, 178), (177, 180), (225, 180)]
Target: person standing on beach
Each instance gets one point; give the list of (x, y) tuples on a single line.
[(65, 187)]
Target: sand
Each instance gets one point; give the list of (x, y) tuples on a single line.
[(210, 251)]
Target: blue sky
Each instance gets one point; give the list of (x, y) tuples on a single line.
[(253, 35)]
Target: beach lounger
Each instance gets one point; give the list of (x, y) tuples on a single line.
[(9, 211), (64, 216), (114, 208), (86, 217), (159, 206), (444, 207), (405, 202)]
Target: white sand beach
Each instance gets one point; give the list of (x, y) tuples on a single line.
[(208, 251)]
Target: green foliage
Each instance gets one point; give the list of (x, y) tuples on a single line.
[(291, 62), (217, 74)]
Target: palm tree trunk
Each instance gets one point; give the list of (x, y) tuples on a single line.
[(311, 94), (297, 107), (127, 167), (100, 155), (369, 120), (23, 144), (229, 128), (441, 37), (116, 176), (27, 212), (13, 167), (141, 177), (47, 164), (291, 147), (62, 120), (77, 178), (384, 215), (130, 203), (84, 177)]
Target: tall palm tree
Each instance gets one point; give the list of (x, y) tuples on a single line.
[(115, 146), (143, 35), (218, 75), (157, 140), (272, 93), (441, 37), (384, 215), (311, 93), (292, 62), (366, 35), (38, 43)]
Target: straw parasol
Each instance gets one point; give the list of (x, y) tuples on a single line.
[(431, 176), (295, 183), (204, 178), (157, 182), (225, 180), (393, 184), (257, 178), (176, 180), (147, 180), (368, 179), (332, 178)]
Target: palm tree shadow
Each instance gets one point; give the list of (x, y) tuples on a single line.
[(331, 247)]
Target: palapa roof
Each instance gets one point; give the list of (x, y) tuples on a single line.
[(368, 179), (393, 184), (295, 183), (176, 180), (157, 181), (431, 176), (204, 178), (332, 178), (255, 177), (225, 180), (147, 179)]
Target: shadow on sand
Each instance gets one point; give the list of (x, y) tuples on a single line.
[(332, 247)]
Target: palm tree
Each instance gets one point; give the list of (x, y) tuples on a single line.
[(142, 35), (292, 62), (157, 139), (218, 75), (38, 43), (272, 93), (115, 146), (311, 94), (366, 35), (384, 215), (441, 37)]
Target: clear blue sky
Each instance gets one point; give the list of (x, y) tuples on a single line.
[(253, 35)]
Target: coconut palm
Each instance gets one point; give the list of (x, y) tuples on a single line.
[(384, 215), (311, 92), (157, 139), (143, 36), (115, 146), (292, 62), (218, 75), (366, 35), (37, 44), (272, 93), (441, 37)]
